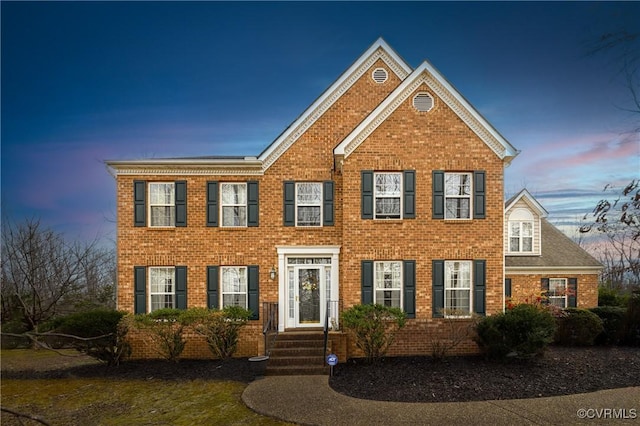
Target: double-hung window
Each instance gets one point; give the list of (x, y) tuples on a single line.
[(308, 204), (162, 204), (161, 287), (457, 288), (388, 195), (558, 292), (457, 193), (388, 284), (521, 236), (234, 204), (234, 286)]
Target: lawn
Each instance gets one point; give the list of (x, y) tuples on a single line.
[(115, 400)]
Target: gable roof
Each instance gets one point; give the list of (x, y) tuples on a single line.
[(529, 199), (427, 74)]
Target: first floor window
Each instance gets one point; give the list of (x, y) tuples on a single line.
[(234, 204), (162, 288), (558, 292), (388, 284), (162, 204), (457, 193), (457, 288), (234, 286), (388, 193), (308, 204)]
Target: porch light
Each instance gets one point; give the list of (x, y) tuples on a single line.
[(272, 273)]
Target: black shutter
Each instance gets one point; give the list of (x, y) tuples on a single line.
[(181, 203), (367, 194), (438, 194), (409, 276), (289, 213), (181, 287), (139, 203), (212, 287), (544, 284), (254, 292), (212, 203), (366, 281), (479, 286), (140, 289), (572, 296), (437, 293), (327, 206), (507, 287), (252, 204), (409, 194), (479, 199)]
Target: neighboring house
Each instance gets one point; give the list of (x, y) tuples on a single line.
[(539, 259), (388, 189)]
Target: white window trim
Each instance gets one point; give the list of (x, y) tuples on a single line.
[(223, 293), (150, 205), (245, 205), (376, 196), (448, 287), (564, 296), (521, 237), (320, 205), (469, 197), (400, 288), (151, 294)]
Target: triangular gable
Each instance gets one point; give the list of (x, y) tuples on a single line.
[(529, 199), (427, 74), (378, 50)]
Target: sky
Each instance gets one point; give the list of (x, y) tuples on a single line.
[(85, 82)]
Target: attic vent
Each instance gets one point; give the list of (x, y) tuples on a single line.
[(423, 102), (379, 75)]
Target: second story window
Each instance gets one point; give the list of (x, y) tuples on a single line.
[(388, 195), (308, 204), (457, 194), (162, 204), (234, 204), (520, 229)]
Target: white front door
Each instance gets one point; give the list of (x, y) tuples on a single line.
[(309, 294)]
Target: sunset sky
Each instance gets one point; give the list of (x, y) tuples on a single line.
[(83, 82)]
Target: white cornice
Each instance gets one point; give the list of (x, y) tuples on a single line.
[(188, 167), (530, 200), (549, 270)]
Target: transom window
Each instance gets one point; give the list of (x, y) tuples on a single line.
[(457, 288), (558, 292), (308, 204), (234, 204), (162, 204), (457, 195), (388, 194), (388, 284), (234, 286), (162, 287)]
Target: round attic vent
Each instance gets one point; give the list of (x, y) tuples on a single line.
[(379, 75), (423, 102)]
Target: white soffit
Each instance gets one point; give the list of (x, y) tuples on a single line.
[(428, 75), (378, 50)]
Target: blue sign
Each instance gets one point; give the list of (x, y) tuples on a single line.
[(332, 359)]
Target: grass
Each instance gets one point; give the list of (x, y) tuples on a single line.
[(100, 401)]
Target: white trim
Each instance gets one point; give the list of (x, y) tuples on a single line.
[(546, 270), (530, 200)]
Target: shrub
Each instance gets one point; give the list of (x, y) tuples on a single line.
[(521, 332), (631, 326), (111, 347), (374, 328), (579, 327), (457, 328), (612, 297), (221, 329), (165, 328), (612, 321)]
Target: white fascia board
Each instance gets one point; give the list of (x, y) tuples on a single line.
[(186, 166), (317, 108), (549, 270), (530, 199)]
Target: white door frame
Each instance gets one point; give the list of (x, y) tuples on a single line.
[(303, 251)]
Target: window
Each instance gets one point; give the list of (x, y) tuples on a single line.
[(388, 284), (162, 204), (457, 195), (521, 236), (388, 193), (234, 204), (161, 288), (234, 286), (558, 292), (308, 204), (457, 288)]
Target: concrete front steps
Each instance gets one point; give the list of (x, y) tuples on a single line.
[(298, 353)]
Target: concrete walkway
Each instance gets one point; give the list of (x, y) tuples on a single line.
[(309, 400)]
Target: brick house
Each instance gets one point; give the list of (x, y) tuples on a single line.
[(388, 189)]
